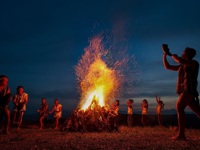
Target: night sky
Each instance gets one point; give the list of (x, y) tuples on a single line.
[(42, 41)]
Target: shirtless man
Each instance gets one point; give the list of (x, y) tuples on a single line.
[(186, 86)]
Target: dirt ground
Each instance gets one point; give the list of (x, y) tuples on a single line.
[(126, 139)]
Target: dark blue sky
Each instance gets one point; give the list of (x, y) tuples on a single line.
[(42, 41)]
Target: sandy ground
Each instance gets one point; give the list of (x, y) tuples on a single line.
[(126, 139)]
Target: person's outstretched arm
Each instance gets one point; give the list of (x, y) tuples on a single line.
[(53, 109), (184, 62), (167, 65), (157, 100)]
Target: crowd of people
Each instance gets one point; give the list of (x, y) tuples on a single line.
[(20, 100), (95, 117), (102, 118)]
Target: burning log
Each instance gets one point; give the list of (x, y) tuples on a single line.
[(96, 119)]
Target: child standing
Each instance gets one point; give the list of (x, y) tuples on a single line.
[(159, 108), (130, 112), (57, 109), (116, 112), (144, 107), (43, 112), (20, 100)]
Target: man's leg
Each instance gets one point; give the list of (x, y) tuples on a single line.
[(194, 106), (14, 114), (146, 119), (131, 120), (160, 119), (128, 120), (21, 114), (142, 119), (41, 122), (7, 121), (180, 107), (56, 123), (1, 118)]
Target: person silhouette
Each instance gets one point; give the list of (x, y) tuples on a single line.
[(130, 112), (57, 110), (186, 86), (5, 98), (159, 108), (20, 100), (43, 112), (144, 108)]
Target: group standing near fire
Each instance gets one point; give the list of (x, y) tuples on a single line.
[(186, 89)]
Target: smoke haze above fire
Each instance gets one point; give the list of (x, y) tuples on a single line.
[(41, 42)]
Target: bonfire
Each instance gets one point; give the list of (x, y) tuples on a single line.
[(98, 86)]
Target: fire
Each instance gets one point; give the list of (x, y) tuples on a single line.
[(97, 81)]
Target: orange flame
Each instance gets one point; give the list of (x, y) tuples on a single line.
[(96, 80)]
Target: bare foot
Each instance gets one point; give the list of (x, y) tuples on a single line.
[(183, 138), (7, 132)]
